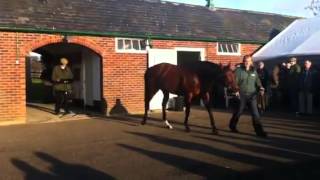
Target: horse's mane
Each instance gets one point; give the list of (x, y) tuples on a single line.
[(205, 69), (208, 73)]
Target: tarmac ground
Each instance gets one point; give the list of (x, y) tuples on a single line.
[(94, 147)]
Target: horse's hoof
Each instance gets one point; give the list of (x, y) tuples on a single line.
[(169, 127), (215, 132), (234, 130), (143, 122), (187, 130)]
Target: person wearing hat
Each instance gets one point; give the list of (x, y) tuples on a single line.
[(62, 78)]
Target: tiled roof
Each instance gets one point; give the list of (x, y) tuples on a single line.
[(140, 17)]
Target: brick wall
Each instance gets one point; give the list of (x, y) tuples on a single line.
[(122, 72), (12, 80), (210, 48)]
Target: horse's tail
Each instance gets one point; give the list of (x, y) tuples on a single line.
[(146, 96), (146, 90), (146, 83)]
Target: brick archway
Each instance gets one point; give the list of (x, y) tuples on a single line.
[(47, 40), (52, 39)]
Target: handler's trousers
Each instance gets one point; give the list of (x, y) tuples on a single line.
[(250, 99)]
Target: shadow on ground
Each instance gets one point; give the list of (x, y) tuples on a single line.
[(58, 170), (298, 165), (291, 152)]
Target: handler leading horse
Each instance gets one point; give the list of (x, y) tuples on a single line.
[(197, 79)]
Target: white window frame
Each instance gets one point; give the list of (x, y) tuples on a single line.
[(228, 53), (130, 50)]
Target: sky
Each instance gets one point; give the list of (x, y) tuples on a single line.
[(285, 7)]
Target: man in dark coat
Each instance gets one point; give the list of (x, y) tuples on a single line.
[(293, 85), (306, 88), (62, 78)]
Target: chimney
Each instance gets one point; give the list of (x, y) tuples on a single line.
[(210, 4)]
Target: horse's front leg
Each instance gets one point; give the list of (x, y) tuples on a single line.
[(206, 101), (187, 101), (164, 106)]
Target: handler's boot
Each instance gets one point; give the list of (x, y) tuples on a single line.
[(259, 131), (233, 125)]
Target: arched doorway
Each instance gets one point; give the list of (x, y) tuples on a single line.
[(86, 66)]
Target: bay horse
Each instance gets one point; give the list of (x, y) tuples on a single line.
[(194, 80)]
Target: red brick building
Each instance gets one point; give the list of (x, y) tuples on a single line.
[(106, 43)]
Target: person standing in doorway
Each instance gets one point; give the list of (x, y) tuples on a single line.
[(62, 78), (249, 84)]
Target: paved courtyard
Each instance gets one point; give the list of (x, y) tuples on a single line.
[(121, 148)]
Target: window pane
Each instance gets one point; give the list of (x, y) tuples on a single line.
[(232, 48), (229, 46), (224, 48), (142, 45), (220, 48), (135, 44), (127, 44), (120, 44), (236, 48)]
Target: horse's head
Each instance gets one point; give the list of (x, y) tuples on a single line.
[(229, 78)]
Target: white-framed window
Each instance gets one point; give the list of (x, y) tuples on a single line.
[(130, 45), (227, 48)]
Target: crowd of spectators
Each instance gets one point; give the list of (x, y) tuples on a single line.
[(291, 85)]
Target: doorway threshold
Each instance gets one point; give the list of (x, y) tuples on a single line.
[(44, 113)]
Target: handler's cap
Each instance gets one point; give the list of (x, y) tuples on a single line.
[(64, 60)]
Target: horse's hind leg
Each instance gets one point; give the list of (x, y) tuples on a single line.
[(206, 101), (149, 93), (164, 105), (146, 109), (187, 101)]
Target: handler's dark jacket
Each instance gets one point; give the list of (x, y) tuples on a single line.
[(248, 81), (62, 79)]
